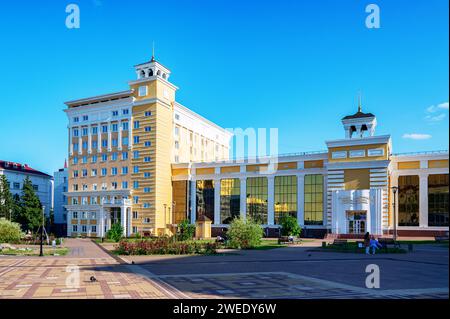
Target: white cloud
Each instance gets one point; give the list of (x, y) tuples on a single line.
[(436, 118), (443, 106), (417, 136), (440, 109)]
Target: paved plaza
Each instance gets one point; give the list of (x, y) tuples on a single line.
[(292, 272)]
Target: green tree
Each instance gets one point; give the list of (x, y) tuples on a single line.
[(30, 212), (9, 232), (289, 226), (186, 230), (6, 199), (244, 233), (115, 233)]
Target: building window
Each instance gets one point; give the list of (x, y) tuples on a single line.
[(84, 172), (142, 91), (135, 199), (177, 116), (339, 155), (124, 170), (438, 200), (113, 171), (257, 199), (177, 145), (94, 172), (94, 130), (84, 131), (408, 200), (76, 119), (94, 159), (115, 113), (147, 159), (147, 143), (84, 145), (124, 156), (94, 144), (93, 229), (124, 185), (136, 184), (375, 152), (135, 215), (313, 200), (74, 228), (75, 174), (84, 159), (147, 220), (146, 189), (75, 132), (136, 124), (104, 143), (135, 230), (16, 185), (230, 199), (114, 185), (104, 128), (148, 113), (357, 153), (135, 169), (177, 159), (205, 199), (125, 141), (148, 128), (125, 111), (75, 147), (146, 205), (36, 187), (177, 130), (124, 126), (115, 127), (85, 117), (135, 154), (75, 189), (104, 171), (114, 156), (147, 174), (84, 229), (75, 160), (104, 157), (136, 139), (285, 197)]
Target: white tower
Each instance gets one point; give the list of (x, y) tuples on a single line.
[(359, 124)]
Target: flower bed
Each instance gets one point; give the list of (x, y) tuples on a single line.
[(164, 246)]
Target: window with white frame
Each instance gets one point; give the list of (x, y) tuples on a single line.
[(142, 91), (339, 154), (357, 153), (375, 152)]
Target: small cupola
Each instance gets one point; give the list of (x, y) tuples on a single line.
[(151, 70), (359, 124)]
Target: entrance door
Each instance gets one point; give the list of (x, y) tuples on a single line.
[(356, 222)]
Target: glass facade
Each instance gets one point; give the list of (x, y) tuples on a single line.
[(408, 200), (230, 191), (313, 200), (257, 199), (285, 197), (205, 199), (438, 200)]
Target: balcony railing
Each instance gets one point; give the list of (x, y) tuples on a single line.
[(116, 202), (422, 153)]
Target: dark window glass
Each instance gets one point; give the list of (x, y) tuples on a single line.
[(257, 199), (313, 200), (205, 199), (230, 193), (438, 200), (285, 197), (408, 200)]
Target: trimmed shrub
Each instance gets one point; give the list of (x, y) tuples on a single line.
[(10, 232), (289, 226), (164, 246), (186, 231), (244, 234), (115, 233)]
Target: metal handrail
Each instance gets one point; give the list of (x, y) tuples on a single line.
[(421, 153)]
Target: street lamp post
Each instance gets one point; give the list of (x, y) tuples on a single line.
[(41, 251), (394, 190)]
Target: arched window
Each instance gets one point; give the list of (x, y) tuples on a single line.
[(150, 72), (164, 76), (158, 73), (142, 74)]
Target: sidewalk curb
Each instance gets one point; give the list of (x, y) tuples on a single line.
[(115, 257)]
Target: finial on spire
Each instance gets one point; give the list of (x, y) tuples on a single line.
[(153, 51), (359, 102)]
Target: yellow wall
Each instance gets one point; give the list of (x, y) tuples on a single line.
[(313, 164), (408, 165), (204, 171), (438, 164), (357, 179), (180, 171), (257, 168), (230, 169), (286, 166)]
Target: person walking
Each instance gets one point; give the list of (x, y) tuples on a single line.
[(374, 244), (367, 243)]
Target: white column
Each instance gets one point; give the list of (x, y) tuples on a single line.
[(70, 141), (130, 133), (123, 219), (243, 198), (119, 138), (270, 200), (101, 220), (193, 201), (99, 138), (80, 142), (423, 200), (301, 200), (109, 137), (89, 140), (217, 201)]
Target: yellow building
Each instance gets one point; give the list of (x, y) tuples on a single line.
[(141, 159)]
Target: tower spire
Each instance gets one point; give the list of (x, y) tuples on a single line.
[(153, 51), (359, 102)]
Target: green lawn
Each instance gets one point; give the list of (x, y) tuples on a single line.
[(34, 252)]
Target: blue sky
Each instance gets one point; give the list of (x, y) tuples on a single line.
[(294, 65)]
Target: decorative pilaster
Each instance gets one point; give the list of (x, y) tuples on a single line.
[(217, 201), (193, 201), (99, 138), (423, 200), (119, 138), (109, 137), (301, 200), (89, 140), (243, 198)]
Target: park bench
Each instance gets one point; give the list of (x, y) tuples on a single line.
[(287, 240), (440, 238), (386, 242), (340, 242)]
